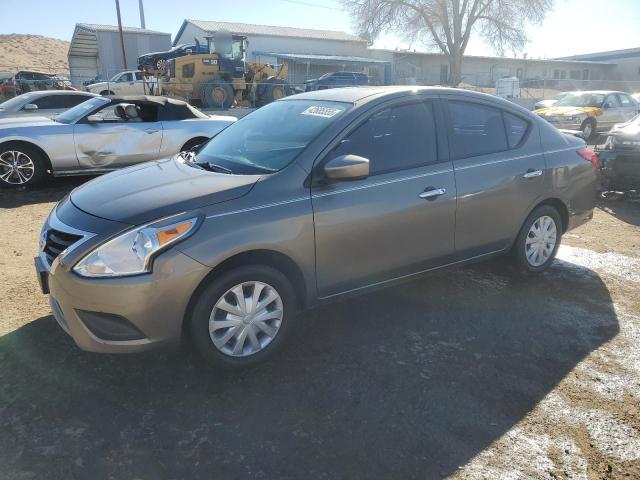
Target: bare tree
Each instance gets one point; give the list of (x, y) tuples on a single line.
[(449, 24)]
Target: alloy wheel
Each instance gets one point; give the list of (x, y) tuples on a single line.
[(16, 168), (541, 241), (246, 319)]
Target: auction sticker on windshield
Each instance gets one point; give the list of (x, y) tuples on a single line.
[(326, 112)]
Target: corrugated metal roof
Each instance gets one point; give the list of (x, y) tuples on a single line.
[(94, 27), (252, 29), (323, 59)]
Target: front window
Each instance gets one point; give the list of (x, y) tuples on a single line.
[(581, 100), (270, 138), (79, 111)]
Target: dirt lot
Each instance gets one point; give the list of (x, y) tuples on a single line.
[(469, 373)]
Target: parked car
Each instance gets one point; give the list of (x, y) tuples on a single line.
[(29, 81), (131, 82), (590, 111), (44, 103), (157, 61), (8, 89), (100, 135), (550, 101), (619, 159), (309, 198), (337, 80)]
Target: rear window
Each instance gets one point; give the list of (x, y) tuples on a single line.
[(477, 129), (516, 128)]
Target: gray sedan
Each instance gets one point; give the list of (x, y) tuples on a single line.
[(310, 198), (100, 135), (45, 103)]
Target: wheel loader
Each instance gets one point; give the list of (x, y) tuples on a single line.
[(222, 77)]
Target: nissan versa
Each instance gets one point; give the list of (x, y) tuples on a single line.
[(308, 198)]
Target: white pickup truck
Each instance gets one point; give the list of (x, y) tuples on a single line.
[(131, 82)]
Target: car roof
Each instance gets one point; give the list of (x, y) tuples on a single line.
[(601, 92), (367, 93), (42, 93), (145, 99)]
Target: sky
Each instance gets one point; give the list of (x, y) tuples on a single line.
[(574, 27)]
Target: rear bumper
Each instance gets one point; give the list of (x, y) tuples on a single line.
[(619, 169), (130, 314)]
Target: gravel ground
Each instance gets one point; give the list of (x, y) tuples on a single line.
[(468, 373)]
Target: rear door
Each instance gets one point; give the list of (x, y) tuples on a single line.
[(499, 170), (628, 105), (400, 219)]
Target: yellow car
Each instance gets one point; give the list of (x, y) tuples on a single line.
[(590, 111)]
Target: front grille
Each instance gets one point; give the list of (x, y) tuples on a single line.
[(56, 242)]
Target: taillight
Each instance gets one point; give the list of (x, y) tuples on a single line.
[(590, 156)]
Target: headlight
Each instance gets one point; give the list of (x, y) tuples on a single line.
[(132, 252)]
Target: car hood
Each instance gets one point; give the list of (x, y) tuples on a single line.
[(157, 189), (25, 121), (98, 85), (568, 111)]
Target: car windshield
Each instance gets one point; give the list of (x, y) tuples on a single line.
[(115, 77), (268, 139), (581, 100), (76, 113), (17, 101)]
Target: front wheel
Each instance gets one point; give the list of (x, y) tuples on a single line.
[(243, 317), (20, 166), (538, 240)]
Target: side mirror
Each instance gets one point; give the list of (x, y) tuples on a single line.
[(30, 106), (347, 167), (95, 119)]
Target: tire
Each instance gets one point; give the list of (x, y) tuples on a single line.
[(273, 89), (205, 312), (588, 129), (104, 93), (217, 94), (192, 143), (525, 260), (31, 170)]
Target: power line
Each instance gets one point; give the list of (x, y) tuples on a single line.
[(309, 4)]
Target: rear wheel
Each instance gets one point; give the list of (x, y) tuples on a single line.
[(21, 166), (273, 89), (217, 94), (243, 317), (588, 129), (538, 240)]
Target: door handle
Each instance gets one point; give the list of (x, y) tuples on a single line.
[(432, 193), (531, 173), (150, 130)]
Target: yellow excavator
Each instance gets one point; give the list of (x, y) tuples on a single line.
[(222, 78)]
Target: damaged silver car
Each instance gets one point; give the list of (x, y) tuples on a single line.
[(101, 135)]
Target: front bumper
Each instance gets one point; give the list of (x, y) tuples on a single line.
[(114, 315), (149, 308)]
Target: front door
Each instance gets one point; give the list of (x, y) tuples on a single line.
[(401, 218), (499, 170), (612, 112), (116, 142)]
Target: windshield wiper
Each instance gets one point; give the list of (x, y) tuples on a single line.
[(214, 167)]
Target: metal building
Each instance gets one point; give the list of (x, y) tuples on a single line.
[(95, 50), (309, 52)]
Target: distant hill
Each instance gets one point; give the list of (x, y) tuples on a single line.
[(33, 52)]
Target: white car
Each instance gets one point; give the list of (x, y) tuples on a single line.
[(131, 82), (100, 135), (44, 103)]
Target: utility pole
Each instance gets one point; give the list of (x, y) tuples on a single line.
[(124, 54), (141, 6)]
